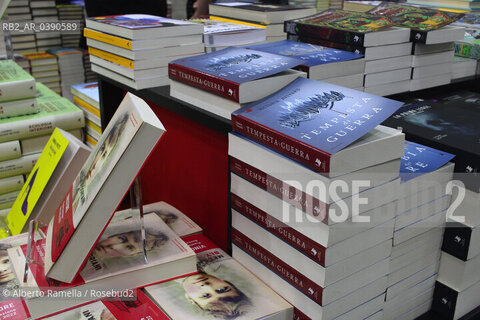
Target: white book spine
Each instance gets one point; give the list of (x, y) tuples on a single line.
[(10, 150), (7, 199), (36, 145), (17, 89), (11, 184), (18, 166), (18, 108)]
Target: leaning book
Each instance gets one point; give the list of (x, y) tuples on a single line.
[(98, 189)]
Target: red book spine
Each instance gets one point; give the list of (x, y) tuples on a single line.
[(283, 270), (312, 157), (297, 240), (216, 85), (278, 188), (299, 315)]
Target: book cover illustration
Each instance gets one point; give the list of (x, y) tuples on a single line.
[(89, 89), (312, 55), (222, 289), (238, 65), (420, 159), (139, 21), (416, 18), (324, 116), (469, 20)]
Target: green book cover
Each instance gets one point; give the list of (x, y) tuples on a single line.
[(15, 83)]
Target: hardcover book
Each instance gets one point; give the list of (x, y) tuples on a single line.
[(340, 26), (15, 83), (314, 58), (311, 121), (137, 26), (98, 189), (235, 73), (117, 262), (221, 289)]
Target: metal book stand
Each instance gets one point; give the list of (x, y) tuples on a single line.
[(36, 229)]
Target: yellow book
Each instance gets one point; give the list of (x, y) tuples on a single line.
[(86, 106), (90, 140), (94, 126), (103, 37), (238, 22), (111, 57)]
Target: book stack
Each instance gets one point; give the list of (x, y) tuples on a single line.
[(469, 46), (220, 82), (464, 67), (18, 10), (289, 227), (44, 10), (23, 62), (432, 39), (23, 42), (44, 68), (70, 63), (221, 289), (457, 290), (48, 40), (219, 34), (3, 45), (90, 76), (419, 224), (270, 16), (386, 48), (329, 65), (85, 96), (72, 13), (135, 49)]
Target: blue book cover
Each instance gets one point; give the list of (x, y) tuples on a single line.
[(238, 65), (310, 54), (89, 89), (419, 160), (314, 115)]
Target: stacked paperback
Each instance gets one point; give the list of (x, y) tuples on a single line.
[(72, 13), (386, 48), (329, 65), (44, 10), (291, 225), (70, 64), (90, 76), (18, 10), (220, 82), (135, 49), (44, 68), (270, 16), (86, 97)]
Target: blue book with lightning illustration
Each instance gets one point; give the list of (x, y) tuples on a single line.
[(311, 121), (236, 73)]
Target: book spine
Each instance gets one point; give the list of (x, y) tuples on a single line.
[(313, 158), (10, 150), (219, 86), (112, 58), (325, 33), (444, 301), (329, 44), (418, 36), (283, 270), (292, 237), (88, 107), (13, 90), (11, 184), (7, 199), (18, 108), (456, 240), (468, 50), (41, 126), (18, 166)]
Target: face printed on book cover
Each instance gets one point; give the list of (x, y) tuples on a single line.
[(6, 273)]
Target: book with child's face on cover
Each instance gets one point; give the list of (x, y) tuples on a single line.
[(222, 289)]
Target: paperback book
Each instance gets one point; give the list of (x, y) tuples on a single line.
[(88, 92), (15, 83), (311, 121), (218, 33)]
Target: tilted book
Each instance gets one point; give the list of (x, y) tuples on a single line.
[(117, 262), (15, 83), (88, 92), (222, 288), (59, 163), (311, 122), (235, 73), (141, 26), (316, 59), (98, 189), (357, 28)]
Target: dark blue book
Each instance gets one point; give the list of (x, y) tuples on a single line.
[(315, 58), (311, 121), (235, 73)]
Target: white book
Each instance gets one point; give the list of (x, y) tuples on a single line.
[(458, 274), (416, 265), (425, 83), (388, 51), (414, 279), (10, 150), (381, 65), (36, 144), (418, 311), (389, 88), (404, 248), (7, 199), (445, 34), (336, 69), (433, 58), (466, 211), (18, 166), (416, 253), (348, 81), (436, 220), (11, 184), (422, 212), (421, 48), (432, 181), (367, 311), (453, 304), (133, 74), (463, 67), (15, 82), (135, 84), (380, 78), (432, 70), (410, 304), (416, 200)]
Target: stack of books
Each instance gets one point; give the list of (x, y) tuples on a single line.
[(386, 48), (19, 10), (48, 40), (270, 16), (469, 46), (432, 39), (44, 68), (85, 96), (218, 34), (44, 10), (23, 42), (463, 67), (291, 225), (70, 63), (419, 225), (136, 49), (23, 62), (3, 45), (90, 76), (72, 13), (221, 289), (329, 65), (221, 82)]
